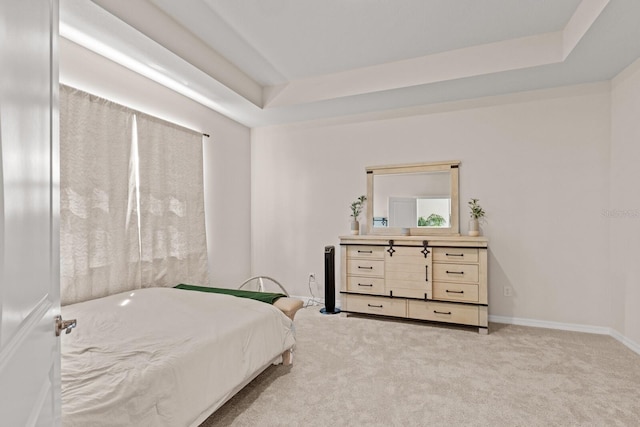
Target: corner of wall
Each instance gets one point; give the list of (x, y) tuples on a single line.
[(624, 205)]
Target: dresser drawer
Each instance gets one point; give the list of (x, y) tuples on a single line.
[(408, 290), (365, 285), (414, 273), (455, 292), (375, 305), (374, 252), (365, 267), (461, 273), (455, 254), (444, 312)]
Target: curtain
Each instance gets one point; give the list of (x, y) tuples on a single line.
[(131, 200), (172, 233), (99, 244)]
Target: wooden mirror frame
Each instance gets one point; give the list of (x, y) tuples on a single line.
[(451, 166)]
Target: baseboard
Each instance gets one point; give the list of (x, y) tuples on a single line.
[(634, 346), (574, 327), (550, 325), (601, 330)]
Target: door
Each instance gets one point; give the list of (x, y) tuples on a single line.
[(403, 212), (29, 264)]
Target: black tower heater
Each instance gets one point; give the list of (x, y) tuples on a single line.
[(329, 281)]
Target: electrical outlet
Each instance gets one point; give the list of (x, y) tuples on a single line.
[(312, 277), (508, 291)]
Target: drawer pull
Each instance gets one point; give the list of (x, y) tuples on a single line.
[(376, 306), (365, 252), (455, 272), (365, 268), (441, 312), (361, 284), (426, 273), (454, 254), (425, 251), (454, 292)]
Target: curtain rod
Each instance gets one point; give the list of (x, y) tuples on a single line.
[(134, 110)]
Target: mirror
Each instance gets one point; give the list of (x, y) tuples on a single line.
[(421, 197)]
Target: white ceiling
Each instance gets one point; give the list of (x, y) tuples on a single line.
[(302, 38), (264, 62)]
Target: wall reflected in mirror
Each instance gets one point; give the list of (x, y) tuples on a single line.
[(412, 200)]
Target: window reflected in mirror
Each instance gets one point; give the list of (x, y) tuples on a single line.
[(434, 212), (412, 200)]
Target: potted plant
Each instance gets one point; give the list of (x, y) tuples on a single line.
[(356, 209), (476, 214)]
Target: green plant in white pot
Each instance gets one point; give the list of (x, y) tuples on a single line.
[(477, 213), (356, 209)]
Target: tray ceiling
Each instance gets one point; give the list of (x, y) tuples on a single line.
[(265, 62)]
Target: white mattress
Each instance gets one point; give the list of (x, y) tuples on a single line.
[(162, 356)]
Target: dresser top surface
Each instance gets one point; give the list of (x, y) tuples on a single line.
[(415, 240)]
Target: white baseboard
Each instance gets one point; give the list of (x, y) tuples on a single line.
[(550, 325), (634, 346), (568, 327), (574, 327)]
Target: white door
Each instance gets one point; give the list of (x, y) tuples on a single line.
[(29, 264), (403, 212)]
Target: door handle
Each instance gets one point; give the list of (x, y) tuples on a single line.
[(64, 325)]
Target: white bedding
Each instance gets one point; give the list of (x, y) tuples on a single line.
[(162, 356)]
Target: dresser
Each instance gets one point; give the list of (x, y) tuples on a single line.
[(433, 278)]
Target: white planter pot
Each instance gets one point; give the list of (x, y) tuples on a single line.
[(355, 227), (474, 227)]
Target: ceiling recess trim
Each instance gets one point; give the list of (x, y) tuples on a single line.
[(507, 55)]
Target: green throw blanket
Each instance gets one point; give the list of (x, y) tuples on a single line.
[(268, 297)]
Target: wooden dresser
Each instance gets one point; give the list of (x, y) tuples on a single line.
[(435, 278)]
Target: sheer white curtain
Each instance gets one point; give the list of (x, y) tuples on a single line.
[(132, 200), (99, 244), (173, 238)]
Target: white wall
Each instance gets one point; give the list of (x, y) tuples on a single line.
[(425, 185), (227, 164), (538, 162), (624, 207)]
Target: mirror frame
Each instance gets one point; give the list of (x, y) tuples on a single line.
[(451, 166)]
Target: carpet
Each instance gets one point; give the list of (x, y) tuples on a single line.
[(363, 371)]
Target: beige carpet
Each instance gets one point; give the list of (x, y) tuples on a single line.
[(359, 371)]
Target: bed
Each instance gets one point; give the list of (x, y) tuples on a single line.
[(164, 356)]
